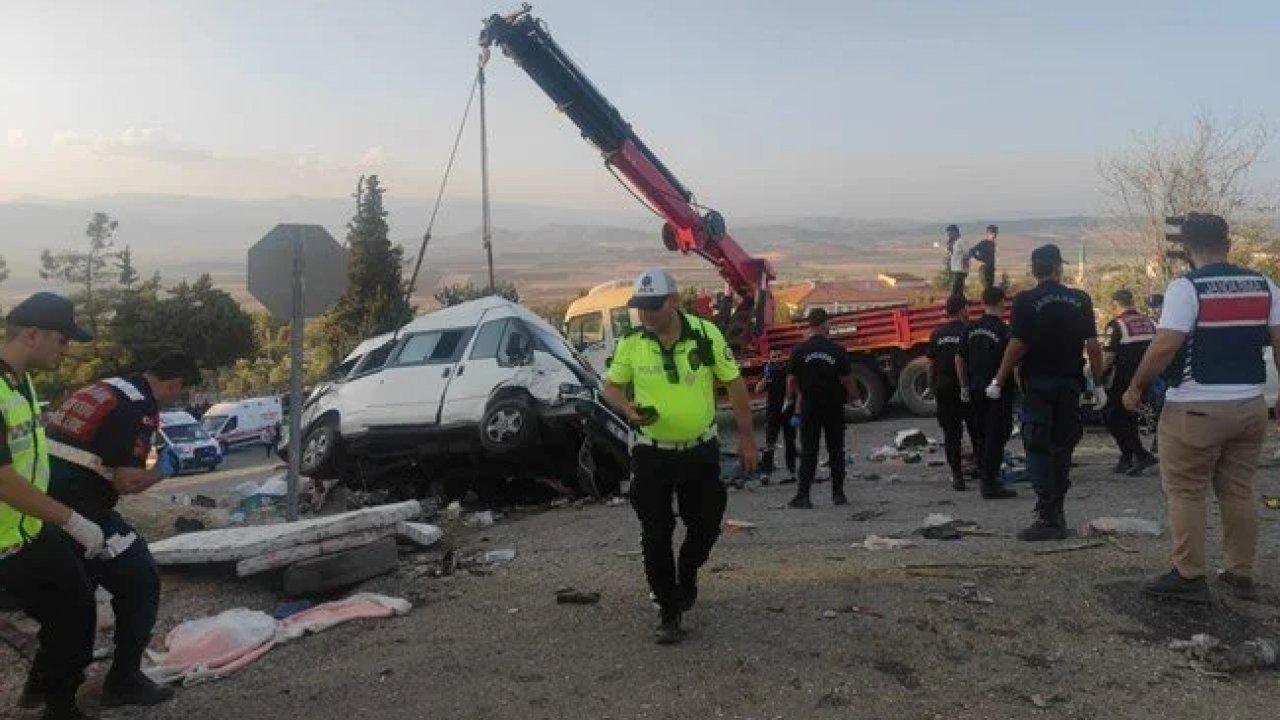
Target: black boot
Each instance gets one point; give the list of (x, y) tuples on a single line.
[(766, 461), (669, 631), (1124, 465), (957, 481), (995, 491), (1141, 463), (1046, 525), (801, 501), (64, 709), (133, 689), (837, 493)]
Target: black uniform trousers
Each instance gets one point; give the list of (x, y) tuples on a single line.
[(134, 583), (1122, 424), (1051, 429), (994, 421), (693, 477), (954, 416), (777, 419), (819, 421), (957, 282), (49, 579)]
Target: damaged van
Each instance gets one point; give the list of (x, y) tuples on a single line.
[(485, 379)]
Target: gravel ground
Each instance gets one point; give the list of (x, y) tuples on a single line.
[(793, 620)]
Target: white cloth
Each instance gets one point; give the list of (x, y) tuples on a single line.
[(960, 256), (1179, 313)]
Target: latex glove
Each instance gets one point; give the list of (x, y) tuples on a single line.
[(87, 533), (168, 463), (794, 421), (1099, 397), (993, 390), (964, 394)]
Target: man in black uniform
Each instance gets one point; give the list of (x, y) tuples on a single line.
[(822, 374), (99, 440), (952, 396), (985, 253), (778, 415), (1052, 327), (980, 354), (1128, 337)]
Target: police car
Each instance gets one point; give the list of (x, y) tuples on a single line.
[(197, 450)]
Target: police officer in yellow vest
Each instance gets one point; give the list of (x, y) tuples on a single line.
[(40, 565), (671, 365)]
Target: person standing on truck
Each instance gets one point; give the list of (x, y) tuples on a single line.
[(1052, 329), (985, 253), (1129, 335), (39, 564), (952, 396), (99, 440), (981, 351), (957, 260), (672, 364), (819, 386), (1209, 344), (778, 416)]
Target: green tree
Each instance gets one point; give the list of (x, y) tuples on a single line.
[(451, 295), (375, 301), (128, 276), (85, 269)]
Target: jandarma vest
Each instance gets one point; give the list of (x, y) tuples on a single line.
[(1135, 328), (1225, 345), (29, 449)]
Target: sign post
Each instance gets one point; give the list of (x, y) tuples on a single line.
[(316, 268)]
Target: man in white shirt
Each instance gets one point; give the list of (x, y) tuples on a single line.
[(957, 260), (1216, 322)]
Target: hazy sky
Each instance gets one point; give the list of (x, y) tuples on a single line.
[(893, 108)]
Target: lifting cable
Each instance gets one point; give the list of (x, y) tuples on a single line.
[(426, 237)]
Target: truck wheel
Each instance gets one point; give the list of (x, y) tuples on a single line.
[(320, 450), (874, 395), (913, 388), (510, 424)]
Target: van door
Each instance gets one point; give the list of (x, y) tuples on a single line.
[(408, 390), (488, 366), (588, 335)]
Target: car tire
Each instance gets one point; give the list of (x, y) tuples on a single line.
[(509, 424), (875, 395), (320, 450), (913, 388)]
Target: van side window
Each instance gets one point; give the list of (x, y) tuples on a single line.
[(437, 347), (232, 424), (514, 327), (489, 339), (620, 318), (375, 359), (585, 330)]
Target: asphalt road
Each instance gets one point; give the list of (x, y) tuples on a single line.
[(239, 465)]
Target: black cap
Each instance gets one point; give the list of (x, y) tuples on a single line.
[(952, 228), (47, 311), (1047, 255), (817, 316)]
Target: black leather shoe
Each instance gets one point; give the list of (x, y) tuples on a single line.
[(136, 690), (800, 503), (1173, 586), (669, 631), (1140, 464), (957, 483), (1240, 586), (32, 693), (839, 498), (998, 492), (1043, 529)]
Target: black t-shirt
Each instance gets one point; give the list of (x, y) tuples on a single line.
[(1054, 321), (775, 381), (19, 383), (819, 364), (984, 252), (944, 345), (103, 420), (983, 349)]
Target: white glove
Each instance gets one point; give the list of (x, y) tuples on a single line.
[(993, 390), (964, 394), (85, 532), (1099, 397)]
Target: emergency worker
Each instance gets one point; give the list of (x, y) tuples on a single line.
[(819, 386), (951, 394), (778, 416), (1128, 336), (980, 354), (672, 364)]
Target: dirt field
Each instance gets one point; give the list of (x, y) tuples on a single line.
[(792, 622)]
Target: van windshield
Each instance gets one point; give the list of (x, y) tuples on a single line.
[(211, 423), (186, 433)]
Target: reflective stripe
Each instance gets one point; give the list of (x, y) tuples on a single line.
[(30, 458), (129, 389), (83, 458)]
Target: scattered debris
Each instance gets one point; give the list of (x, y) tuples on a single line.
[(733, 526), (912, 458), (616, 501), (776, 609), (875, 542), (830, 614), (937, 462), (1043, 702), (724, 568), (289, 609), (340, 570), (573, 596), (454, 511), (1070, 548), (1210, 655), (483, 519), (861, 610), (419, 533), (499, 557), (969, 593), (1271, 502), (910, 438), (882, 453), (1129, 526)]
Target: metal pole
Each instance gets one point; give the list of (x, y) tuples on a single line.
[(295, 381), (484, 183)]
